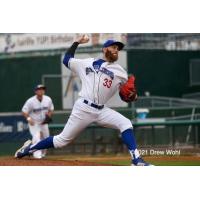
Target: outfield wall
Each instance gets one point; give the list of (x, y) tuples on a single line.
[(18, 76), (161, 72), (94, 140)]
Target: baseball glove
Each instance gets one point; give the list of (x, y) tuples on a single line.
[(127, 91), (47, 120)]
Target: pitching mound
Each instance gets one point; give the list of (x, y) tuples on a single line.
[(9, 161)]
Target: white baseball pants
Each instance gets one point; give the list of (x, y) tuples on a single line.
[(39, 132), (83, 115)]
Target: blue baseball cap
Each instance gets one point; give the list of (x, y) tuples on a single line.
[(38, 87), (113, 42)]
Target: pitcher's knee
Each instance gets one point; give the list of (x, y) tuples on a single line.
[(59, 141), (125, 124)]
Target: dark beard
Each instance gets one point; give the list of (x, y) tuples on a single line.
[(110, 57)]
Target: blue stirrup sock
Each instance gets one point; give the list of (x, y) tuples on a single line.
[(129, 139), (43, 144)]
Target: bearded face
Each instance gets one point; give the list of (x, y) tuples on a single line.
[(111, 53)]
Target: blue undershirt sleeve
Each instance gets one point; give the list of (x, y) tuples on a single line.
[(70, 54)]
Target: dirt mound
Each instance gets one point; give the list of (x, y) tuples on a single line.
[(9, 161)]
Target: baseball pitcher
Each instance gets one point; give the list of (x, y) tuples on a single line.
[(101, 79), (38, 111)]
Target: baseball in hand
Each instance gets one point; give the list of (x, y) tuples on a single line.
[(86, 37), (83, 39)]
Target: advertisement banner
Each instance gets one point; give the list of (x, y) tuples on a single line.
[(10, 43), (13, 128)]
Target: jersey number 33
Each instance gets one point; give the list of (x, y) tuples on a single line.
[(107, 83)]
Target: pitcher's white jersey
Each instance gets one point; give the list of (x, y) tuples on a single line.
[(99, 83), (37, 109)]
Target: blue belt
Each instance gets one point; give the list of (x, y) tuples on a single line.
[(93, 105)]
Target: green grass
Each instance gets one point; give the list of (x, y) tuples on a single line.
[(176, 163), (156, 163)]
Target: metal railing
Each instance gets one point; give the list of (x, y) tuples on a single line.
[(195, 95), (160, 102), (174, 134)]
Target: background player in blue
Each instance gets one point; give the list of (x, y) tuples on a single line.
[(101, 79)]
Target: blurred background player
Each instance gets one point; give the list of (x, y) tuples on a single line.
[(38, 111)]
